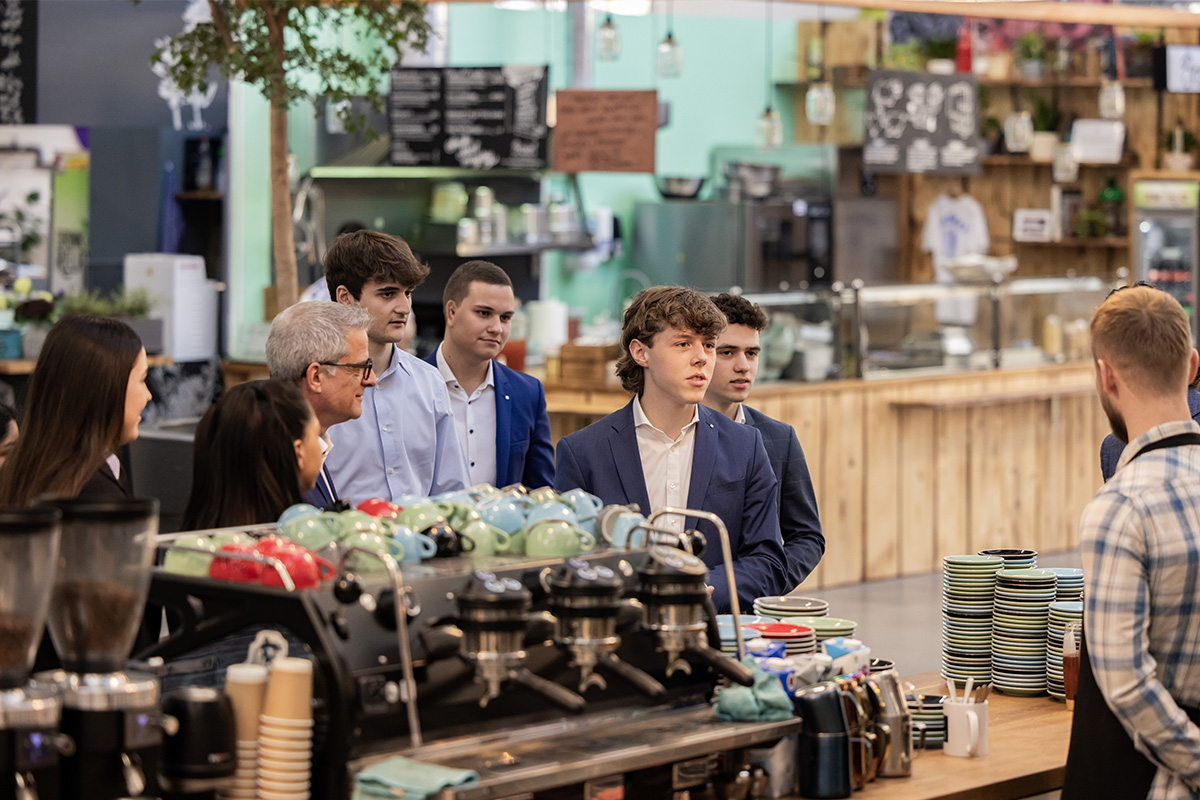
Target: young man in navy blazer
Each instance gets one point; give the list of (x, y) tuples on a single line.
[(733, 377), (500, 413), (666, 449)]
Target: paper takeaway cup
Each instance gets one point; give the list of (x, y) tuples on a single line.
[(289, 690), (246, 685)]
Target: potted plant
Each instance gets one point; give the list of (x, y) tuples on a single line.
[(1030, 55), (24, 219), (1046, 118), (133, 308), (1139, 52), (34, 316), (1179, 147), (939, 55)]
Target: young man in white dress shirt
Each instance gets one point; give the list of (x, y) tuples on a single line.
[(500, 413), (404, 444)]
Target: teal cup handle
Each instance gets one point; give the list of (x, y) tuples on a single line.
[(425, 546)]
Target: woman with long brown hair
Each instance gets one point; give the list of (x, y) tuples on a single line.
[(257, 451), (85, 401)]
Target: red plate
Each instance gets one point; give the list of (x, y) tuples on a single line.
[(780, 630)]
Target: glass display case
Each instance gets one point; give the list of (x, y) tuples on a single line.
[(912, 330)]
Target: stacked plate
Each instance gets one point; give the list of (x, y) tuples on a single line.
[(784, 606), (797, 639), (1014, 558), (1061, 614), (968, 587), (826, 627), (725, 626), (1023, 598), (927, 710), (1069, 588)]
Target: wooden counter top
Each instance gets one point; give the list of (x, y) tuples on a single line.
[(24, 366), (1027, 754)]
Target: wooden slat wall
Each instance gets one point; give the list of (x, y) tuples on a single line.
[(907, 471)]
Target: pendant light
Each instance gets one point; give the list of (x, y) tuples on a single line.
[(819, 100), (608, 40), (769, 130), (670, 53)]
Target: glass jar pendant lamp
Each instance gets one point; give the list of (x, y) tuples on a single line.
[(608, 40), (669, 62)]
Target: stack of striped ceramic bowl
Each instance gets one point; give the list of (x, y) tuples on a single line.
[(1061, 615), (968, 587), (1069, 588), (1023, 598), (784, 606)]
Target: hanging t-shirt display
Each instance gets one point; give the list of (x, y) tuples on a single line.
[(954, 227)]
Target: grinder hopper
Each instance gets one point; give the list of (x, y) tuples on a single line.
[(29, 542), (102, 582)]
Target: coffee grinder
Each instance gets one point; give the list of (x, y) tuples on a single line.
[(96, 608), (29, 710)]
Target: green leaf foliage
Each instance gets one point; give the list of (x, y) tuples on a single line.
[(296, 49)]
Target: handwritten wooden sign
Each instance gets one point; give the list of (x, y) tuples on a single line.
[(605, 131)]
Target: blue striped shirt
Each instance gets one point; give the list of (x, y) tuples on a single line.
[(1140, 542)]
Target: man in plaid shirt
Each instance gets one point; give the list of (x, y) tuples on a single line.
[(1140, 540)]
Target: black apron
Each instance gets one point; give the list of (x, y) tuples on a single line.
[(1101, 759)]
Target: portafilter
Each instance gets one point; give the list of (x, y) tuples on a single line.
[(673, 589), (586, 600), (493, 613)]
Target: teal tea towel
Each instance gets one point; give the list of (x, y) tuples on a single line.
[(765, 701), (414, 779)]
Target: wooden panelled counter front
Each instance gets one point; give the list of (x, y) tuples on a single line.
[(908, 470)]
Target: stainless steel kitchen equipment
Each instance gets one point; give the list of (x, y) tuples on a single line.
[(446, 622), (767, 245)]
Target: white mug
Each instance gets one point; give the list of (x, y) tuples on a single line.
[(966, 728)]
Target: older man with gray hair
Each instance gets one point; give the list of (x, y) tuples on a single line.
[(322, 348)]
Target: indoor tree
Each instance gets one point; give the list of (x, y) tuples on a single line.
[(293, 50)]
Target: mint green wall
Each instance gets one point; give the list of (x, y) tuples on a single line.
[(715, 101)]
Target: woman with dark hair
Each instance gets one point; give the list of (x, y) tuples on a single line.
[(8, 431), (85, 400), (257, 451)]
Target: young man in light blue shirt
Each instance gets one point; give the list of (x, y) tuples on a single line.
[(405, 441)]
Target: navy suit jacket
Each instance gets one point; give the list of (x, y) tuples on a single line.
[(731, 477), (1112, 447), (523, 450), (803, 542)]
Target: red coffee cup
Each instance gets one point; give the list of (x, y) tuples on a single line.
[(235, 569), (378, 507), (305, 567)]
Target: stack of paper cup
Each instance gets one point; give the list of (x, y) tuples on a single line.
[(285, 732), (246, 685)]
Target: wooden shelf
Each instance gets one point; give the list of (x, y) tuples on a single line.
[(1016, 83), (208, 195), (1109, 242), (1010, 160)]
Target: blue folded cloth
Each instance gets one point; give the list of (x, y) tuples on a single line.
[(765, 701), (415, 780)]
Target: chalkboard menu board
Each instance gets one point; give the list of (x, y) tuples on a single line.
[(18, 62), (472, 117), (920, 122)]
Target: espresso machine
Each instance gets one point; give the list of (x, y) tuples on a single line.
[(29, 710), (96, 608)]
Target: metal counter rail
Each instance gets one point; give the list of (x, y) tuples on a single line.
[(574, 750)]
